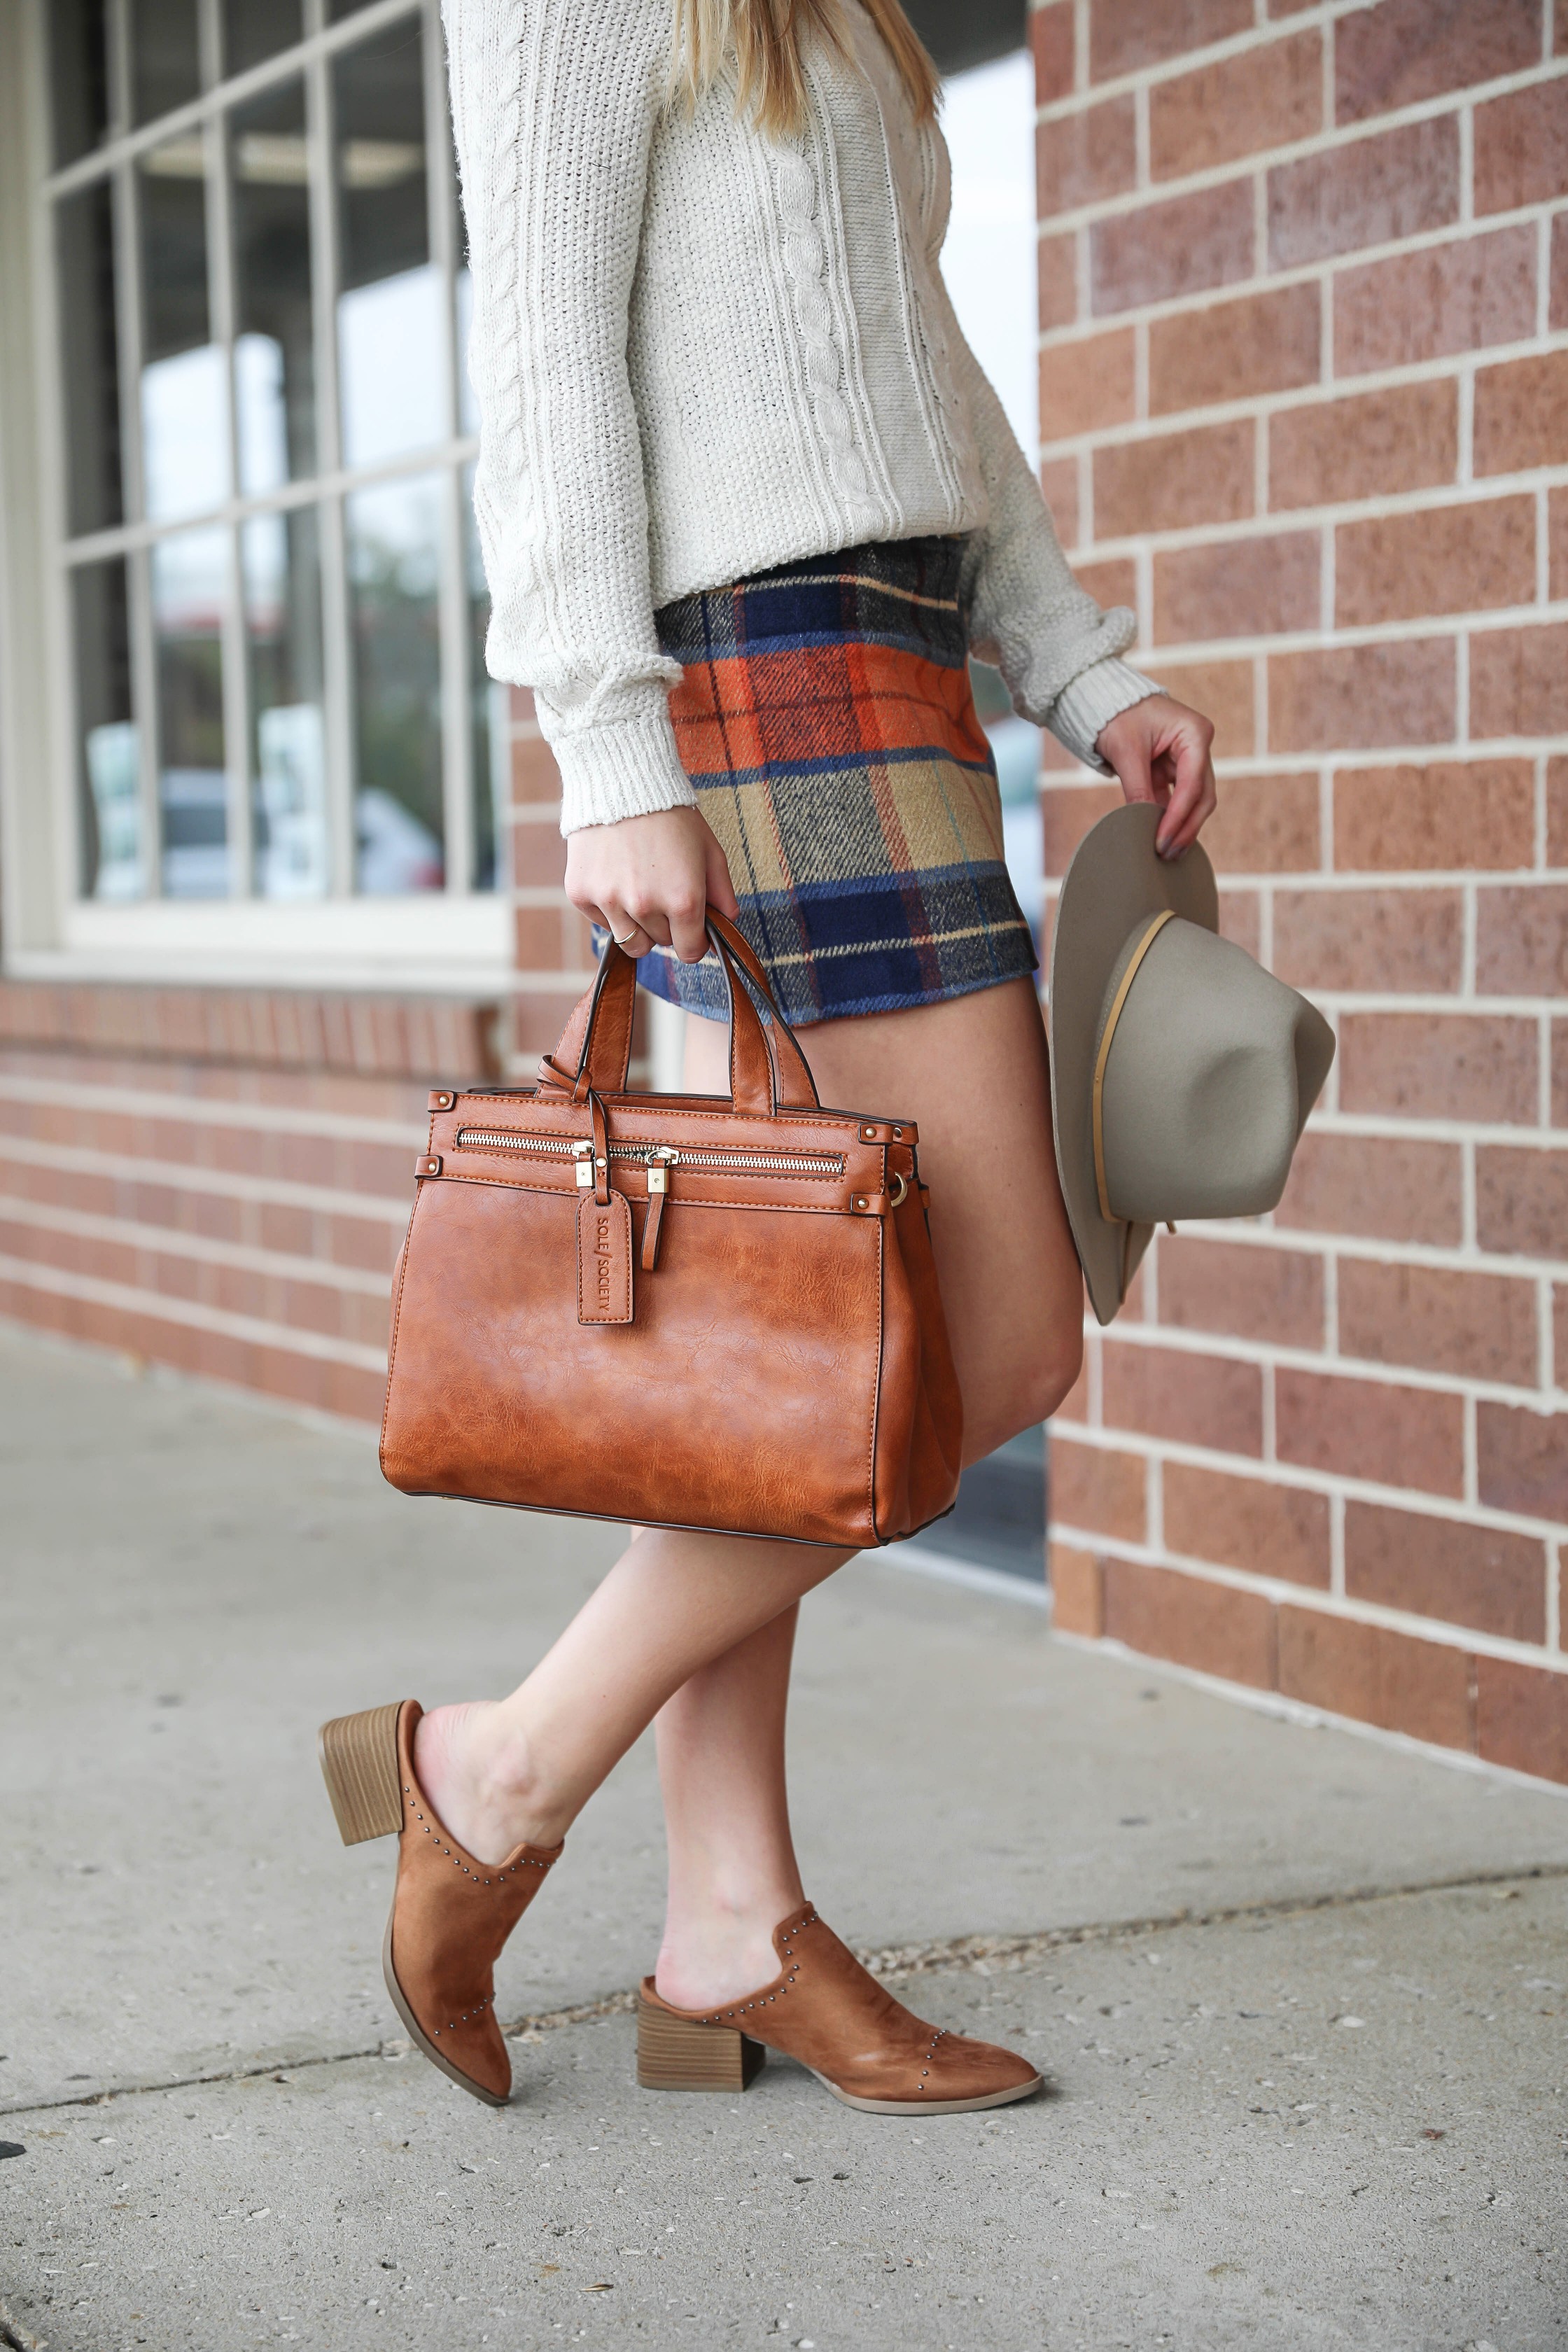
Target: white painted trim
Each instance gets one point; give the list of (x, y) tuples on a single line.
[(440, 943)]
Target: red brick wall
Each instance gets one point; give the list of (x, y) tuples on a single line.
[(219, 1181), (1304, 373)]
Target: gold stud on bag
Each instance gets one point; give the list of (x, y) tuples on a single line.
[(682, 1311)]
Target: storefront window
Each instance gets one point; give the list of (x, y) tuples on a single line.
[(276, 614)]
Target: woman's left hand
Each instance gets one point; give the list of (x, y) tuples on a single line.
[(1160, 751)]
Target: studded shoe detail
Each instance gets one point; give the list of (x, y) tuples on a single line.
[(451, 1913), (827, 2010)]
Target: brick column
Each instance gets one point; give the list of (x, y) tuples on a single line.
[(1304, 375)]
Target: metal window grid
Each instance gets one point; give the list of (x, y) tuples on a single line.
[(114, 163)]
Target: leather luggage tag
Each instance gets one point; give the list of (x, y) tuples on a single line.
[(604, 1259)]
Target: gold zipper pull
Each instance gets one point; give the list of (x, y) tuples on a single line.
[(661, 1159), (584, 1155)]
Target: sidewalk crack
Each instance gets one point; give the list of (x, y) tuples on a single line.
[(940, 1956)]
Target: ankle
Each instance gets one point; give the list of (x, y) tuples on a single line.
[(718, 1946), (483, 1780)]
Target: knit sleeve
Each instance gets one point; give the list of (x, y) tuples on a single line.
[(554, 105), (1055, 647)]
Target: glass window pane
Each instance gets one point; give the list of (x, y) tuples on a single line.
[(185, 421), (254, 29), (391, 345), (489, 705), (90, 359), (280, 563), (113, 855), (79, 76), (190, 593), (165, 59), (274, 356), (338, 10), (393, 571)]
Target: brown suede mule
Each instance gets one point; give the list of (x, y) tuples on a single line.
[(824, 2009), (451, 1915)]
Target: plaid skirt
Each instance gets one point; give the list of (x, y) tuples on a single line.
[(825, 718)]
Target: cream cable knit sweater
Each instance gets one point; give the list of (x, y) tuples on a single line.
[(699, 354)]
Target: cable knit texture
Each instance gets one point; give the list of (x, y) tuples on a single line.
[(699, 353)]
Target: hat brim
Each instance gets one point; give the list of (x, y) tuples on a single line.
[(1117, 880)]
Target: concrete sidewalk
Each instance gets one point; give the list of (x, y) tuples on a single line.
[(1300, 1997)]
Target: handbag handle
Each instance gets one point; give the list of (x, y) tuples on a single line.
[(768, 1071)]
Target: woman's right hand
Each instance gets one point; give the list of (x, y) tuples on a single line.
[(651, 880)]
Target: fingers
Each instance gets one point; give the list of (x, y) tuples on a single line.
[(721, 889), (1133, 764), (627, 931), (688, 915), (1192, 799)]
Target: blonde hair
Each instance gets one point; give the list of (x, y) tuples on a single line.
[(766, 37)]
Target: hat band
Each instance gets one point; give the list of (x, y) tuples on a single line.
[(1100, 1059)]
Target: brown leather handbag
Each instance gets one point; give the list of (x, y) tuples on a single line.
[(674, 1309)]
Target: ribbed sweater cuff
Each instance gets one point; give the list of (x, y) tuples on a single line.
[(1096, 696), (630, 768)]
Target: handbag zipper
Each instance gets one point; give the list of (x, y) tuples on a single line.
[(668, 1155)]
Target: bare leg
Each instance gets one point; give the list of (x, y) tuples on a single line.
[(522, 1768), (987, 1154), (732, 1871)]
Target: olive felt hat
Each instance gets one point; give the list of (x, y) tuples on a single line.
[(1181, 1072)]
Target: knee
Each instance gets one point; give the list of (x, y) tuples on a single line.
[(1061, 1364), (1039, 1391)]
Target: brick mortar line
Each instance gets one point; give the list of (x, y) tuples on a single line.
[(331, 1274), (1161, 70), (1389, 1126), (937, 1958), (162, 1306), (1266, 1355), (77, 1159), (1333, 515), (1329, 139), (1417, 1501), (1200, 300), (206, 1110), (1365, 1249), (1444, 1633)]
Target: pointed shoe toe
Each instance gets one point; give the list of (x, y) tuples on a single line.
[(451, 1913), (830, 2013)]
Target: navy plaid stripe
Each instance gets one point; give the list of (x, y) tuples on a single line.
[(869, 873)]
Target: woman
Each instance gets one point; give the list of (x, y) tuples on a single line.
[(746, 502)]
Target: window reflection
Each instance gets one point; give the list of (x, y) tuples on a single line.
[(79, 76), (185, 431), (190, 593), (90, 359), (165, 58), (254, 29), (274, 356), (490, 708), (392, 346), (113, 855), (394, 569), (279, 562)]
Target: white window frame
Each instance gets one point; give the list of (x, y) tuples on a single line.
[(453, 940)]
